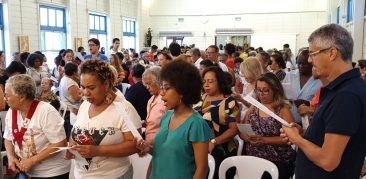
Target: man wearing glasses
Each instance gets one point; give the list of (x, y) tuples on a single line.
[(333, 146), (94, 46)]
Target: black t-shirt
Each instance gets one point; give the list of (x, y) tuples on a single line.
[(341, 110)]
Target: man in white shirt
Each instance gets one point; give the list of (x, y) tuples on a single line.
[(196, 57), (213, 52), (115, 46)]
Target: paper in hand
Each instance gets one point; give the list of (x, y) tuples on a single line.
[(246, 129), (263, 108)]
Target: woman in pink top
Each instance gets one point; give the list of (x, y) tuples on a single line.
[(155, 106)]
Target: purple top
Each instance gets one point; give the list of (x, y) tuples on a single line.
[(268, 127)]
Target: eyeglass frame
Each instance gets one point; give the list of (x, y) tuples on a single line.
[(209, 81), (311, 54), (262, 91)]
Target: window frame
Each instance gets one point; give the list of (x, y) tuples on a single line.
[(55, 27), (131, 31), (95, 30), (350, 10), (338, 14), (2, 27)]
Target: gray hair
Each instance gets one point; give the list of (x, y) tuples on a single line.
[(22, 85), (195, 52), (154, 72), (333, 35)]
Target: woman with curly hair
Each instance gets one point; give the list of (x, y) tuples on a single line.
[(181, 145), (221, 112), (101, 135)]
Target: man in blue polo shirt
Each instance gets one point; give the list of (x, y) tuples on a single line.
[(94, 46), (334, 145)]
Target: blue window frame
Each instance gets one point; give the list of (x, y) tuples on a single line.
[(98, 28), (2, 42), (338, 14), (129, 33), (350, 12), (53, 29)]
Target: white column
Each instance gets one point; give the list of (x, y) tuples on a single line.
[(358, 24)]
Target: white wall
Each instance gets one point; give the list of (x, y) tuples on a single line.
[(275, 18), (22, 18)]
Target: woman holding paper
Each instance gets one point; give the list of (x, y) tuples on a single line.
[(33, 130), (267, 143), (101, 135), (221, 112)]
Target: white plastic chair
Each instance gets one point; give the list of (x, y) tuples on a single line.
[(2, 116), (241, 145), (140, 165), (211, 165), (3, 168), (63, 109), (248, 167)]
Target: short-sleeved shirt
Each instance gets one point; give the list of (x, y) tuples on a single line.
[(173, 155), (341, 110), (101, 56), (46, 127), (104, 129)]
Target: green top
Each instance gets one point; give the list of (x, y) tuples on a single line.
[(173, 155)]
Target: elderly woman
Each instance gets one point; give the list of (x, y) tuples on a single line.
[(36, 70), (155, 105), (101, 135), (181, 145), (267, 143), (221, 112), (33, 129), (47, 95)]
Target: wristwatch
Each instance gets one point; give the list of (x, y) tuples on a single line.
[(213, 141)]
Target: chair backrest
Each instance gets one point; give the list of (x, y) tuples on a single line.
[(211, 165), (141, 165), (2, 116), (240, 145), (248, 167), (63, 109)]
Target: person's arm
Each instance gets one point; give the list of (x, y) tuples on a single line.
[(12, 159), (2, 101), (326, 156), (123, 149), (75, 93), (26, 164), (200, 158)]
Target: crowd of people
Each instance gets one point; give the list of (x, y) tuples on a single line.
[(187, 103)]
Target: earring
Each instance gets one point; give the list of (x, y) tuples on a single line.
[(108, 98)]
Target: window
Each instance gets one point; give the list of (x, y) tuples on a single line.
[(129, 33), (350, 11), (2, 42), (98, 29), (338, 11), (53, 29)]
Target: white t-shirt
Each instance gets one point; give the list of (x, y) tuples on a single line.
[(223, 67), (65, 96), (129, 109), (103, 129), (46, 127)]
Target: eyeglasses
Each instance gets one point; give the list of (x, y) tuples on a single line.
[(209, 81), (263, 91), (92, 45), (311, 54)]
